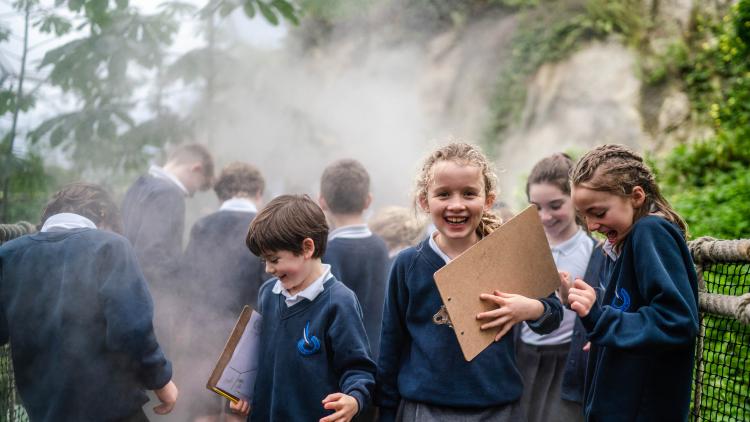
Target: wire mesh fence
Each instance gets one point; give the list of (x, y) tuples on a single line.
[(722, 370)]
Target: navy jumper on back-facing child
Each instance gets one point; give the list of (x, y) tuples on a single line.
[(314, 356), (643, 333), (78, 314), (422, 374), (357, 257)]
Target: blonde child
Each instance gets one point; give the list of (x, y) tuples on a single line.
[(422, 374), (553, 365), (643, 334)]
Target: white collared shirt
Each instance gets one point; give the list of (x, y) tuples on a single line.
[(436, 248), (239, 204), (159, 172), (354, 231), (609, 249), (66, 221), (310, 292)]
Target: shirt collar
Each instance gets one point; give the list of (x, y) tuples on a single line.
[(567, 247), (239, 204), (609, 249), (159, 172), (66, 221), (434, 246), (310, 293), (355, 231)]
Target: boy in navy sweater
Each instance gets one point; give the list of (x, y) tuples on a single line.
[(357, 257), (314, 355), (75, 307), (222, 276), (153, 213)]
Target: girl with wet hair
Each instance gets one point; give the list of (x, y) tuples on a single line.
[(643, 328), (422, 374)]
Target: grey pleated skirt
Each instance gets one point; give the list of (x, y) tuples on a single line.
[(409, 411), (542, 369)]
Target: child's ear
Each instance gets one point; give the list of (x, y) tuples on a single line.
[(323, 204), (637, 197), (308, 248), (489, 201), (422, 201), (368, 201)]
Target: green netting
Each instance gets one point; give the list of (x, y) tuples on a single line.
[(10, 405), (722, 373)]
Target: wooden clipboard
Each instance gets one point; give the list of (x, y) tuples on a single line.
[(240, 351), (515, 258)]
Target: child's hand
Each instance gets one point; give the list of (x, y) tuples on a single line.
[(564, 289), (242, 407), (581, 297), (167, 395), (346, 407), (511, 309)]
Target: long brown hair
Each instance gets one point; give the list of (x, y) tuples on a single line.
[(463, 154), (618, 170)]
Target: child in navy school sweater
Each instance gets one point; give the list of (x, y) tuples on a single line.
[(314, 356), (643, 332), (78, 314), (358, 258), (422, 374)]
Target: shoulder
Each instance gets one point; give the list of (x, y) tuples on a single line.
[(340, 294), (267, 287), (653, 228)]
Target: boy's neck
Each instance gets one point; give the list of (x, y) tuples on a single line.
[(343, 220), (316, 270)]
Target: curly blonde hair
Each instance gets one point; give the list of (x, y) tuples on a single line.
[(463, 154), (398, 226)]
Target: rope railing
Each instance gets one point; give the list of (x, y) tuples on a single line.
[(722, 361)]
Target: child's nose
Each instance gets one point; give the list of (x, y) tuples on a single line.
[(270, 269)]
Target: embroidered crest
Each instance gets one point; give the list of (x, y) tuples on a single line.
[(308, 344), (442, 317), (621, 300)]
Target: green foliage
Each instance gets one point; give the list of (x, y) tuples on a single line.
[(272, 10), (709, 180), (548, 33)]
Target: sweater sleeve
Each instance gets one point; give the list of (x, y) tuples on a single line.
[(351, 356), (551, 318), (394, 338), (128, 312), (670, 316)]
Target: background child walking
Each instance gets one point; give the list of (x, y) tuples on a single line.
[(643, 334), (422, 374), (553, 365)]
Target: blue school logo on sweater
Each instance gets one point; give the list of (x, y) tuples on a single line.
[(308, 344), (621, 300)]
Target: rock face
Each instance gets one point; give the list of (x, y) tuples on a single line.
[(589, 99)]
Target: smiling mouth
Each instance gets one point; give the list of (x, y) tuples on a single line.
[(611, 236), (456, 220)]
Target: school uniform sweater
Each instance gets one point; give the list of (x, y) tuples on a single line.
[(76, 310), (422, 361), (223, 274), (153, 216), (308, 351), (643, 336), (362, 265)]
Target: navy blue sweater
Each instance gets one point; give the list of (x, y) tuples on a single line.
[(422, 361), (643, 337), (362, 265), (76, 310), (290, 385), (223, 275), (153, 217)]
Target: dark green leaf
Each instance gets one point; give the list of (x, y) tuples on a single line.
[(287, 10), (249, 9), (267, 13), (122, 4), (57, 135)]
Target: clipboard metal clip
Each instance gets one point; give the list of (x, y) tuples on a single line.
[(442, 317)]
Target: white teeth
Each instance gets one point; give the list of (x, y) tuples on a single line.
[(456, 220)]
